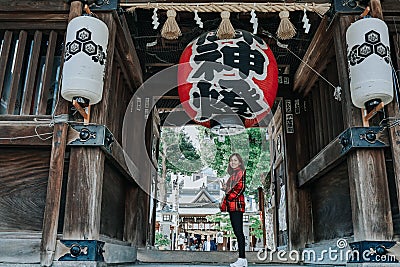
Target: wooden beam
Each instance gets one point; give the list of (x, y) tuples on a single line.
[(390, 7), (394, 132), (320, 68), (122, 162), (42, 25), (329, 157), (127, 51), (56, 173), (19, 249), (16, 133), (35, 17), (48, 72), (31, 6), (53, 196), (371, 212), (172, 97), (41, 119), (316, 52), (31, 78), (16, 72), (125, 74), (376, 9), (300, 230), (5, 53)]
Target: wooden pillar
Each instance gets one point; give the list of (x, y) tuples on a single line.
[(376, 9), (54, 186), (298, 200), (261, 208), (394, 132), (371, 213), (85, 175)]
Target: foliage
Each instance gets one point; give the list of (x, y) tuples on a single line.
[(177, 155), (223, 223), (180, 154), (161, 240), (256, 226)]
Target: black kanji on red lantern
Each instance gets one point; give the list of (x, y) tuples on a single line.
[(226, 76), (244, 59), (233, 96)]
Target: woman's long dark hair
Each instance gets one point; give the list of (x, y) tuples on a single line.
[(230, 170)]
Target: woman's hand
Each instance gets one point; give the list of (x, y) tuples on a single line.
[(223, 185)]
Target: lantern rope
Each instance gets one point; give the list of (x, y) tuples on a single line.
[(320, 9), (38, 135), (338, 89)]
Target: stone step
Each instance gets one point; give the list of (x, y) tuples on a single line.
[(204, 257)]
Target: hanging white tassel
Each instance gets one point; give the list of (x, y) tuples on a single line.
[(155, 19), (254, 20), (198, 19), (306, 21), (338, 93), (225, 29), (286, 29), (171, 30)]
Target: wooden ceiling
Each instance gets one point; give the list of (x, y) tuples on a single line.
[(156, 53)]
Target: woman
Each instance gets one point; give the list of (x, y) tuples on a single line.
[(233, 203)]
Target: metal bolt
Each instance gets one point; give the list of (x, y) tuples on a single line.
[(84, 134), (370, 136), (380, 250), (344, 141), (75, 250)]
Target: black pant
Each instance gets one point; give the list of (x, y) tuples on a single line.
[(237, 225)]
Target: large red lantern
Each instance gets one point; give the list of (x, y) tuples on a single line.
[(226, 80)]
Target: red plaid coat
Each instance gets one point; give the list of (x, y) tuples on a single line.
[(234, 198)]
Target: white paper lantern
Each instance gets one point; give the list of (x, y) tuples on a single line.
[(85, 59), (369, 62)]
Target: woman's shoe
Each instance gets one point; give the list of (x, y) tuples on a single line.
[(239, 263)]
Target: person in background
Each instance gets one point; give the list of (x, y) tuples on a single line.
[(234, 203), (213, 245), (207, 244)]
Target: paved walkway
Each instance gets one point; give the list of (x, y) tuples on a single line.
[(227, 265), (203, 265), (153, 258)]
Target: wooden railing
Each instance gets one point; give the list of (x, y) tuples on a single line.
[(29, 71), (112, 207)]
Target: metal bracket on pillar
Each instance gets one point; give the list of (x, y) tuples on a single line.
[(348, 6), (82, 250), (363, 137), (91, 135), (104, 5), (372, 252)]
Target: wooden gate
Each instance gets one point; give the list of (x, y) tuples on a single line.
[(278, 200)]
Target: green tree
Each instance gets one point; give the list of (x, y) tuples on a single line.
[(161, 240), (177, 155), (256, 226)]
